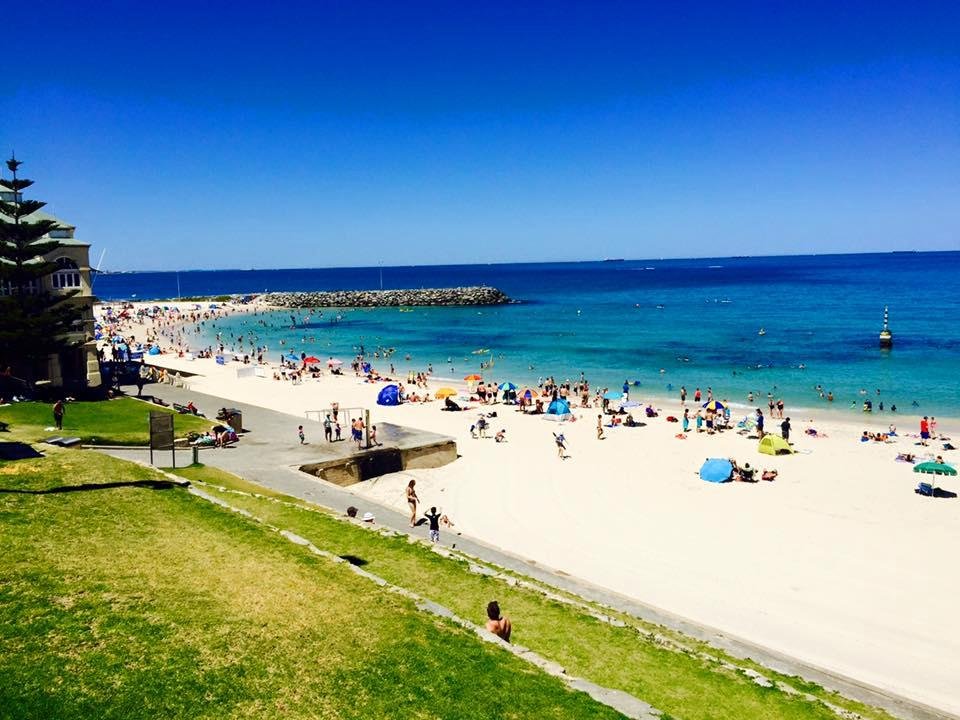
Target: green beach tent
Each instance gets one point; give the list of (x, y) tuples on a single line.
[(775, 445)]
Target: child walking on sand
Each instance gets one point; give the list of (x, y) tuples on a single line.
[(300, 434), (561, 445)]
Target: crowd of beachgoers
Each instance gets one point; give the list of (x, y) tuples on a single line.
[(141, 331)]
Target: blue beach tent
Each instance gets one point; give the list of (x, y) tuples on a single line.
[(558, 410), (716, 470), (291, 358), (390, 395)]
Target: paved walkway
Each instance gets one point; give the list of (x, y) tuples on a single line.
[(270, 455)]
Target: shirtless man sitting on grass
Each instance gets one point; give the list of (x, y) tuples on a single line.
[(498, 624)]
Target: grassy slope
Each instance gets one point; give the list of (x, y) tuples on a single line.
[(679, 683), (123, 421), (140, 603)]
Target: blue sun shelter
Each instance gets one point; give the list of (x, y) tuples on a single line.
[(390, 395), (558, 411), (716, 470)]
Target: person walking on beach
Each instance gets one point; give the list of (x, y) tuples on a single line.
[(683, 395), (328, 428), (785, 429), (599, 427), (433, 517), (561, 445), (373, 436), (337, 430), (686, 420), (760, 423), (412, 501), (498, 624), (924, 430), (300, 434), (58, 410), (696, 395), (356, 432), (626, 390)]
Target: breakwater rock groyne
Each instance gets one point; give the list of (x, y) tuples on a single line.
[(389, 298)]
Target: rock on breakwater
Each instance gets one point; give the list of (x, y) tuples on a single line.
[(389, 298)]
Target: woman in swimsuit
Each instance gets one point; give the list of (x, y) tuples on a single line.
[(412, 501)]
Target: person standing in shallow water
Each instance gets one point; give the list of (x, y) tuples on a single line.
[(412, 501)]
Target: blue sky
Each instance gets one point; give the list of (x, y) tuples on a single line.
[(204, 135)]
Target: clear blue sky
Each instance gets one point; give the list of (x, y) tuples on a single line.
[(237, 134)]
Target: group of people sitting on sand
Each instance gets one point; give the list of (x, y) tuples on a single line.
[(746, 473)]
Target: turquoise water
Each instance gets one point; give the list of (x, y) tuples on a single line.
[(662, 323)]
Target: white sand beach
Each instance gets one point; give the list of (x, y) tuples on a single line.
[(837, 562)]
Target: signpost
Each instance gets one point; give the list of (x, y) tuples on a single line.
[(161, 434)]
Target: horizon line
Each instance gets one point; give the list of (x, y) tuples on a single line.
[(537, 262)]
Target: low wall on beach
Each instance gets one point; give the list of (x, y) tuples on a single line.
[(382, 461), (389, 298)]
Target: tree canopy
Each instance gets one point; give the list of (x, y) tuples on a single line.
[(34, 322)]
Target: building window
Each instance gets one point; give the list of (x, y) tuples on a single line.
[(67, 274), (32, 288)]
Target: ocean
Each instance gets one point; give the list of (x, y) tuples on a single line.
[(658, 324)]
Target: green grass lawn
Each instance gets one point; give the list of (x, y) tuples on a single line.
[(142, 601), (673, 676), (123, 421)]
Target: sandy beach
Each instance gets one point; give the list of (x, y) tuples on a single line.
[(837, 562)]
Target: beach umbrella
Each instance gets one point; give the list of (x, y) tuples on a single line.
[(613, 395), (716, 470), (713, 405), (311, 360), (473, 378), (333, 362), (445, 392), (508, 386), (934, 468)]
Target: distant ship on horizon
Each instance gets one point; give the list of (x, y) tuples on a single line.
[(614, 260)]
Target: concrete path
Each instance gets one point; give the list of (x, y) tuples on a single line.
[(270, 455)]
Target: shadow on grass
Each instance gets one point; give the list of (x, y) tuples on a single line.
[(148, 484), (354, 560)]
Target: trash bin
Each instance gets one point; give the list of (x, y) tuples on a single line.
[(236, 420)]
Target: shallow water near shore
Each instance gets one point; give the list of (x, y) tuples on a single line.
[(659, 323)]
